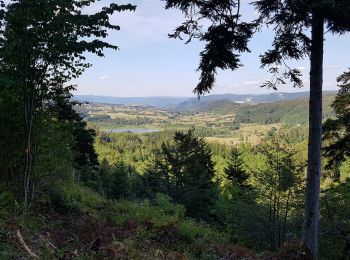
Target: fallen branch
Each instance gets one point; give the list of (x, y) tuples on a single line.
[(46, 241), (26, 248)]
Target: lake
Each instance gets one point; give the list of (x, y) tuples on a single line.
[(132, 130)]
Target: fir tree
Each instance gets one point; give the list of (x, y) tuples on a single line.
[(234, 171), (337, 131), (184, 171), (226, 35)]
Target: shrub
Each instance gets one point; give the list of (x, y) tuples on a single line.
[(7, 202), (165, 204), (73, 196)]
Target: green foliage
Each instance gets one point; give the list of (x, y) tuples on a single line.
[(133, 149), (227, 35), (223, 47), (161, 211), (201, 238), (42, 48), (168, 206), (335, 226), (120, 122), (239, 212), (287, 112), (345, 170), (269, 212), (165, 220), (72, 196), (337, 131), (184, 170), (116, 181), (52, 152), (7, 201), (8, 251), (279, 188), (235, 172), (54, 155), (241, 217)]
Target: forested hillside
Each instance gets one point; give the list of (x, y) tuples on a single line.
[(194, 103), (184, 103), (221, 179), (289, 112)]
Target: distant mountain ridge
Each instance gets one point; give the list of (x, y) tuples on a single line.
[(292, 112), (147, 101), (183, 103), (209, 101)]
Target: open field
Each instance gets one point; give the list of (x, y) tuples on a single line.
[(215, 127), (248, 133)]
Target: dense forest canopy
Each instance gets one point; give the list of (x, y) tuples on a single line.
[(223, 180)]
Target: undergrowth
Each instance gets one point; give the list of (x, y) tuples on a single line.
[(84, 225)]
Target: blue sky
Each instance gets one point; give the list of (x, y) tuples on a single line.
[(150, 64)]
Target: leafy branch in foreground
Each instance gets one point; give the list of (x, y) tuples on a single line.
[(43, 46)]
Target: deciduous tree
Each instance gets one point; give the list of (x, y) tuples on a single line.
[(42, 47)]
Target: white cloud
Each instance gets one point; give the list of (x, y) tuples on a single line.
[(104, 77), (150, 23), (252, 82), (233, 86)]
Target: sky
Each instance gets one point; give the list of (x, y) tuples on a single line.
[(150, 64)]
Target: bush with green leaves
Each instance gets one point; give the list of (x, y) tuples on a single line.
[(73, 196), (7, 202), (335, 225)]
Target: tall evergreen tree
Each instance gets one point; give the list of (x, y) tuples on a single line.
[(117, 184), (234, 171), (62, 108), (185, 172), (226, 35), (337, 131)]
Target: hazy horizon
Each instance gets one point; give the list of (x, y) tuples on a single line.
[(193, 95)]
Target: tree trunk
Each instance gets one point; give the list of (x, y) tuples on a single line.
[(29, 116), (312, 196), (285, 217)]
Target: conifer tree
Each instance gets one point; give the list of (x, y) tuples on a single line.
[(221, 26), (337, 131), (184, 170), (234, 171), (119, 181)]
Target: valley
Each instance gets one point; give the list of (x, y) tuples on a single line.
[(117, 142), (218, 120)]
